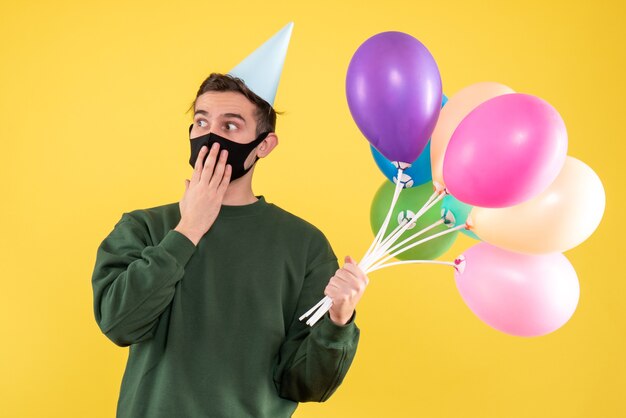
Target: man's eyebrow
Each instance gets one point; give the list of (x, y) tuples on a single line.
[(226, 115), (234, 115)]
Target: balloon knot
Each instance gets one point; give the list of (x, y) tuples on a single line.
[(438, 187), (459, 264), (448, 218), (400, 164)]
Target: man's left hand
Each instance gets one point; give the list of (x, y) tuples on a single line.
[(345, 288)]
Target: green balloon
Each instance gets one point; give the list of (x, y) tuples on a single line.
[(410, 201)]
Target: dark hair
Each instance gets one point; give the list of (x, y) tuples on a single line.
[(265, 113)]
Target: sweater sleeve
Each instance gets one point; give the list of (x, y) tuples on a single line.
[(313, 361), (134, 279)]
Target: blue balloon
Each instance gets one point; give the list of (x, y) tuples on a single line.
[(455, 213), (416, 175), (420, 171)]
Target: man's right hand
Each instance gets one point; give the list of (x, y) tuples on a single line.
[(204, 193)]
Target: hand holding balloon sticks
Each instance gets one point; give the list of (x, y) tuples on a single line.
[(380, 247)]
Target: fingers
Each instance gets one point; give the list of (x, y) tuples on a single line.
[(350, 272), (342, 291), (209, 164), (345, 289), (214, 174), (345, 280), (353, 267), (220, 167), (197, 169), (344, 275), (221, 189), (349, 277)]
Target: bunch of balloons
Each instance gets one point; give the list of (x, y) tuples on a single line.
[(489, 162)]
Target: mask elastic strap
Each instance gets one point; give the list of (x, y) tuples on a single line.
[(256, 142)]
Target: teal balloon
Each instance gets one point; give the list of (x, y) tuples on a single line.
[(410, 201), (455, 213)]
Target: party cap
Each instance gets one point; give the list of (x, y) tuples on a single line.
[(261, 70)]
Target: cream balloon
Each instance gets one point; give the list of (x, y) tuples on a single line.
[(556, 220), (455, 110)]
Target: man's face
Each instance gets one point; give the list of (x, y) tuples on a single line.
[(228, 114)]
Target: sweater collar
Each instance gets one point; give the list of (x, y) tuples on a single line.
[(250, 209)]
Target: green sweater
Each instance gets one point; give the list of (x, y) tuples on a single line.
[(213, 330)]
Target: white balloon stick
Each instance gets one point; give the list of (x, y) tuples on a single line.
[(397, 263), (417, 234), (394, 236), (415, 244), (385, 224), (310, 311)]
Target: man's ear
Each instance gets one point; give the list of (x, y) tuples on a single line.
[(269, 143)]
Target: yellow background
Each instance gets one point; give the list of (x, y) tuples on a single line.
[(92, 120)]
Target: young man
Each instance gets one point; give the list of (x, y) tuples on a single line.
[(207, 291)]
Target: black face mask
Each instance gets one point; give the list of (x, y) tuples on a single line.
[(237, 153)]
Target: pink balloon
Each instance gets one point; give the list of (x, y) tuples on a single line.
[(519, 294), (505, 151)]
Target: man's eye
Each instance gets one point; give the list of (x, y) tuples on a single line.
[(202, 123), (230, 126)]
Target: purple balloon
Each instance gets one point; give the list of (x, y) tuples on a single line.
[(394, 94)]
